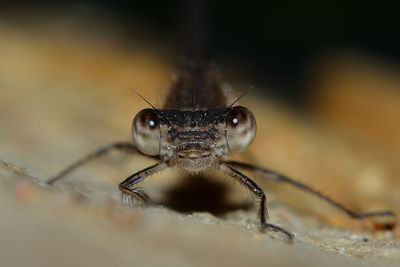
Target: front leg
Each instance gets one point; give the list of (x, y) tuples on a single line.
[(258, 192), (127, 186)]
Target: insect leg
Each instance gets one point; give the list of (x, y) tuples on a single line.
[(282, 178), (257, 191), (127, 186), (124, 146)]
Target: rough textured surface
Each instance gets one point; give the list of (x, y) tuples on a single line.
[(63, 96)]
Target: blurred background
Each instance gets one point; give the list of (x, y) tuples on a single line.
[(272, 42), (322, 78)]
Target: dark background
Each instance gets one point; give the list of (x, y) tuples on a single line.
[(272, 41)]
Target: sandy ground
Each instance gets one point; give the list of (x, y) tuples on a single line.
[(64, 95)]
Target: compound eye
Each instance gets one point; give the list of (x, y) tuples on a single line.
[(240, 128), (146, 132)]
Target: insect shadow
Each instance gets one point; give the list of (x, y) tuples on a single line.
[(202, 193)]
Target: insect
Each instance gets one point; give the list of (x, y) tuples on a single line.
[(196, 130)]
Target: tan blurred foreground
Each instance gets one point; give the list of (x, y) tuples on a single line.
[(64, 95)]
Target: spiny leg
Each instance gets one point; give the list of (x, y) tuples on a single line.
[(282, 178), (127, 185), (257, 191), (129, 147)]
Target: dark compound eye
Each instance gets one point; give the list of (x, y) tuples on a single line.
[(238, 115), (146, 132), (241, 128), (148, 118)]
